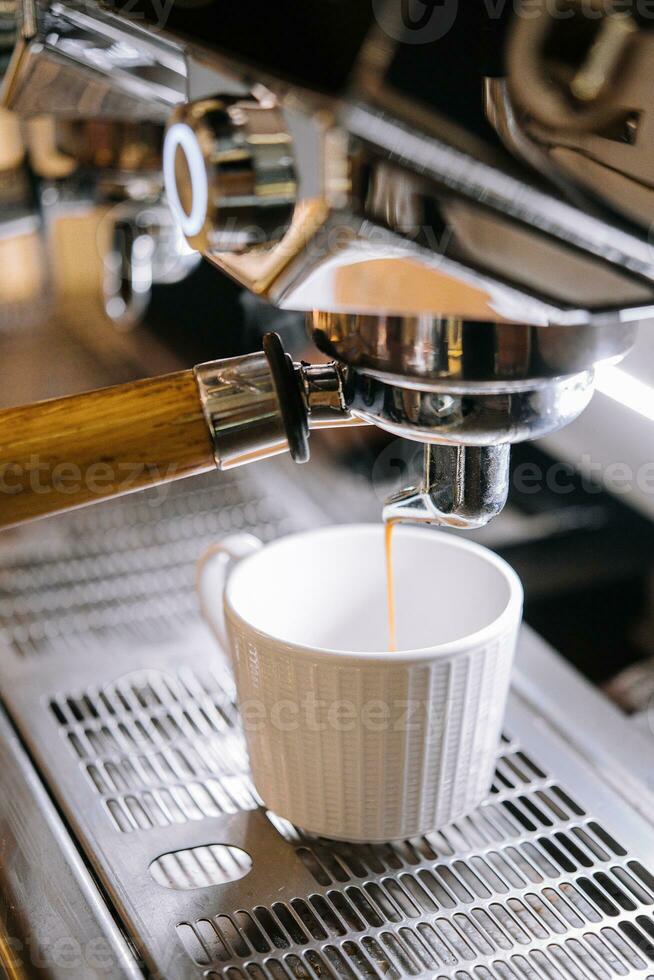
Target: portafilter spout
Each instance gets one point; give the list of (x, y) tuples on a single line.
[(467, 390), (462, 487)]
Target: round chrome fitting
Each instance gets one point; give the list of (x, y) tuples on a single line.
[(229, 174), (261, 404)]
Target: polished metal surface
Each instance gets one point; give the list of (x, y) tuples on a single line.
[(230, 178), (116, 165), (552, 261), (323, 389), (115, 687), (146, 248), (466, 395), (53, 920), (394, 212), (405, 223), (579, 89), (461, 416), (584, 115), (241, 404), (426, 351), (462, 487), (241, 408), (138, 242), (471, 292), (66, 52), (466, 389)]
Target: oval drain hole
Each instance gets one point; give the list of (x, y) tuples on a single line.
[(201, 867)]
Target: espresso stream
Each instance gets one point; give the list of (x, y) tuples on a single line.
[(390, 585)]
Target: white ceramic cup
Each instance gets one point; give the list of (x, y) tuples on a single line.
[(345, 739)]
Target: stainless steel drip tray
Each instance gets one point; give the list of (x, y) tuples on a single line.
[(553, 877), (126, 707)]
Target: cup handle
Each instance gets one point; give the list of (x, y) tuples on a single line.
[(211, 576)]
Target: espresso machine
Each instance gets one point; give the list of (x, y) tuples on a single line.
[(468, 245), (458, 197)]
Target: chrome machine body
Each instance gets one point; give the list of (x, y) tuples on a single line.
[(467, 259)]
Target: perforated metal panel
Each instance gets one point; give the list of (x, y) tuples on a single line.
[(529, 885), (125, 570), (139, 739), (159, 748)]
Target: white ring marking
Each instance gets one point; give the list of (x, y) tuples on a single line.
[(181, 135)]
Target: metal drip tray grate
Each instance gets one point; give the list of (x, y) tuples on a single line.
[(126, 570), (528, 878), (140, 743), (159, 749), (150, 768)]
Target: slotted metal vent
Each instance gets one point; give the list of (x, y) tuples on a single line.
[(530, 877), (159, 747), (125, 570), (527, 877)]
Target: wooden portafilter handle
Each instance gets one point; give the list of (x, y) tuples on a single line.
[(63, 453), (67, 452)]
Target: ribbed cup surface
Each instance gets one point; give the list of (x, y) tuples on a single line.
[(363, 749)]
